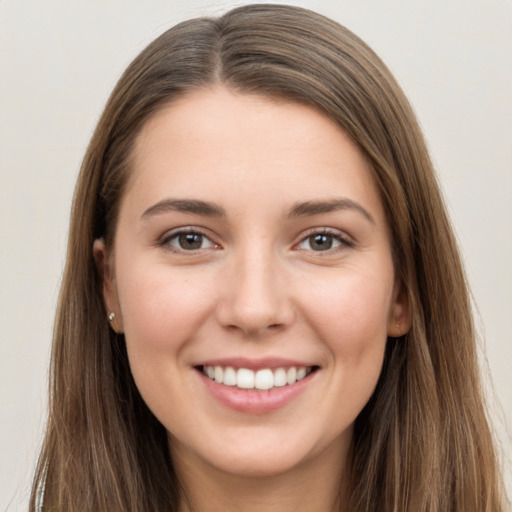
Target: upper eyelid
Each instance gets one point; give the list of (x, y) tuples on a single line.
[(342, 235), (173, 233), (170, 233), (346, 241)]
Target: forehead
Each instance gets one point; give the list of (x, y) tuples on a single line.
[(223, 120), (218, 143)]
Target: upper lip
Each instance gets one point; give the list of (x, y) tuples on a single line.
[(254, 363)]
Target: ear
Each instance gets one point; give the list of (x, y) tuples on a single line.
[(105, 270), (400, 317)]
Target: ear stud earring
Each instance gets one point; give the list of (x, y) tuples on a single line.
[(111, 316)]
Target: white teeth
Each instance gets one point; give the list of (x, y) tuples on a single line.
[(245, 378), (219, 374), (280, 377), (291, 375), (263, 379), (301, 373), (230, 376)]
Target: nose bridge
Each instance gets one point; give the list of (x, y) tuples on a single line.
[(255, 297)]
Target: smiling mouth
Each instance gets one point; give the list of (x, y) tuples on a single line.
[(264, 379)]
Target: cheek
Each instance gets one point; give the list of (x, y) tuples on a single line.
[(161, 308), (350, 315), (352, 324), (161, 311)]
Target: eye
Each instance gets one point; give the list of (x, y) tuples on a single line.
[(188, 241), (323, 241)]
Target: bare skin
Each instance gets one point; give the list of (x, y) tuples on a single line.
[(251, 234), (307, 488)]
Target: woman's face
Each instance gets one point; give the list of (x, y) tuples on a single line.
[(252, 246)]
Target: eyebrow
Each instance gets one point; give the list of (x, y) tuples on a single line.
[(299, 209), (332, 205), (184, 205)]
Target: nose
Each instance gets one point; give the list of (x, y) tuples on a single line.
[(255, 299)]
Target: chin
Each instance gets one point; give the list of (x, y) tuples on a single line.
[(253, 454), (254, 465)]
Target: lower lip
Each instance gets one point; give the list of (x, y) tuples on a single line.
[(256, 402)]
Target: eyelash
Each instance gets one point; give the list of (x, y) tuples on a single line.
[(344, 241), (335, 236), (166, 241)]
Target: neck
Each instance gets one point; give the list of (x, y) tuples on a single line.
[(314, 485)]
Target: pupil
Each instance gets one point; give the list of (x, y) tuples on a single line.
[(321, 242), (190, 241)]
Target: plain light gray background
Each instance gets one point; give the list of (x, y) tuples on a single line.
[(58, 62)]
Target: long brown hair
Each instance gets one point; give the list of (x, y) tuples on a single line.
[(422, 443)]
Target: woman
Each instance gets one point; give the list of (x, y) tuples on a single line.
[(262, 289)]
